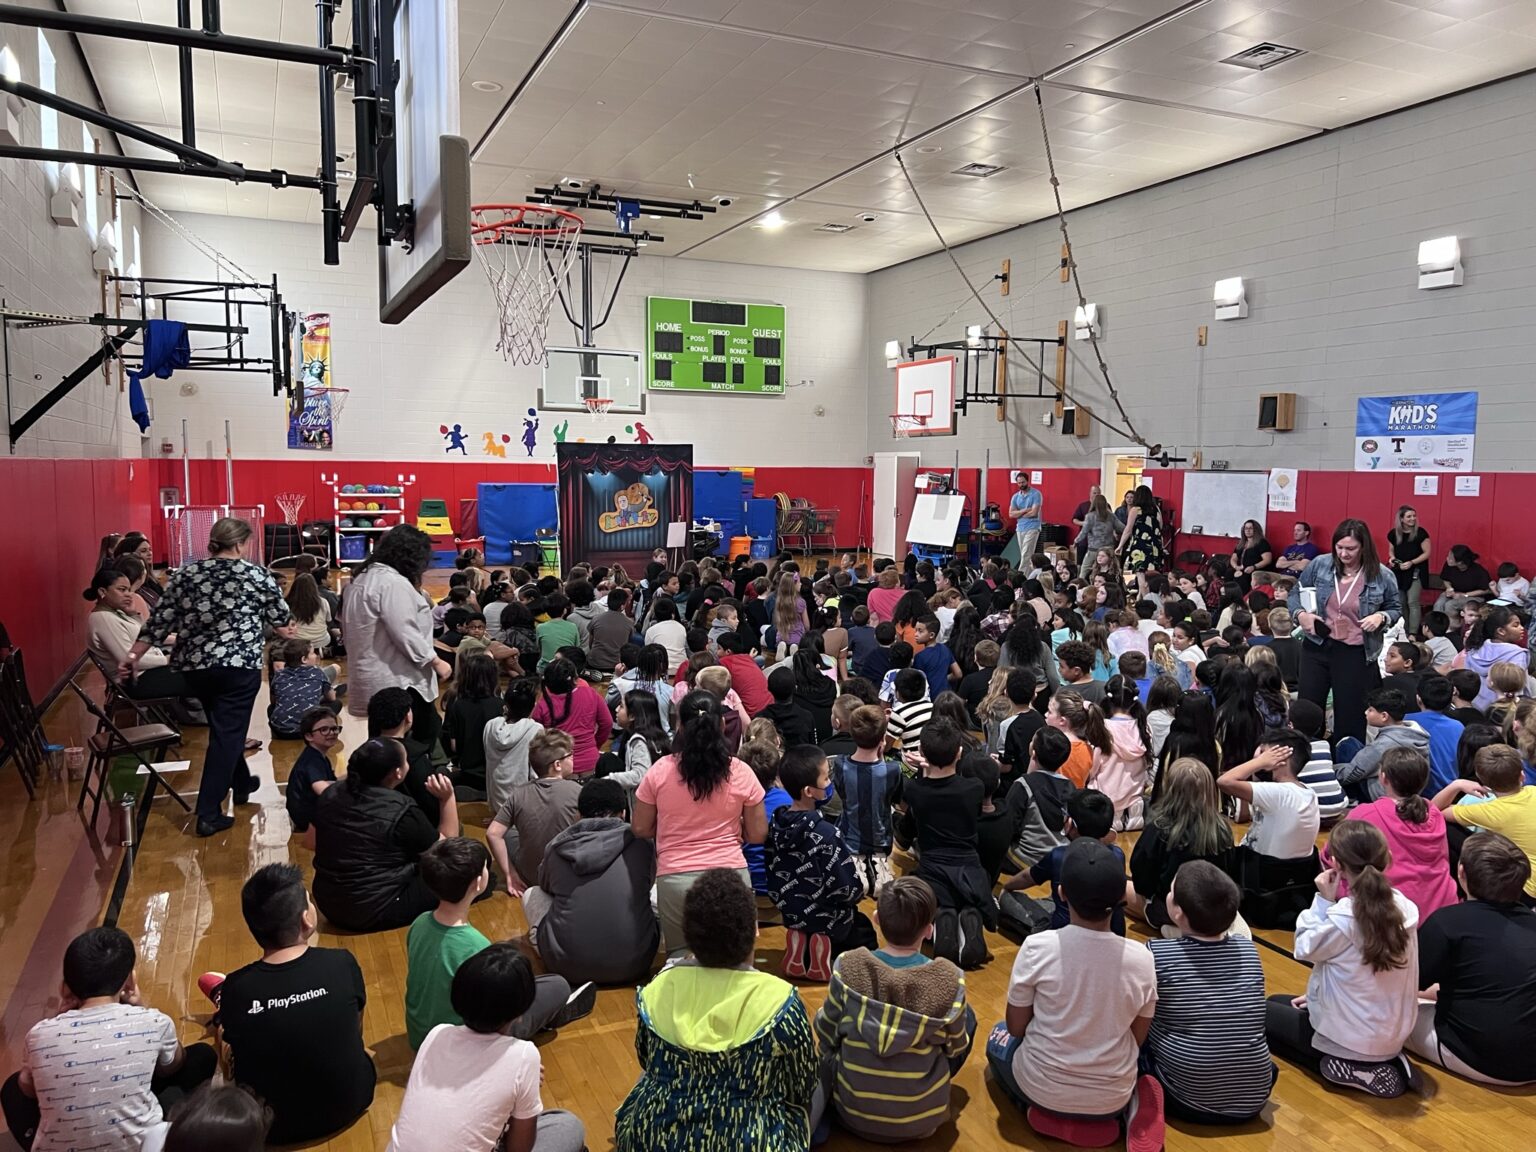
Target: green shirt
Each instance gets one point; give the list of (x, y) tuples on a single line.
[(554, 635), (433, 954)]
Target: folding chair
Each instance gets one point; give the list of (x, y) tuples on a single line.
[(116, 698), (110, 741), (21, 727)]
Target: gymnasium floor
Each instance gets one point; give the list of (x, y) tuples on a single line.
[(182, 907)]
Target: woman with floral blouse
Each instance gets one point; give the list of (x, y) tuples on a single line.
[(218, 609)]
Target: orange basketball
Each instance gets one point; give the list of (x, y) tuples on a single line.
[(359, 506)]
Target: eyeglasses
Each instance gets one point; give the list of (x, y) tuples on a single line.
[(327, 730)]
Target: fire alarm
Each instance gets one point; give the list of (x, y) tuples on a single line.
[(167, 448)]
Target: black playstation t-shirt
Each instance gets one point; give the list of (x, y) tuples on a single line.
[(295, 1034)]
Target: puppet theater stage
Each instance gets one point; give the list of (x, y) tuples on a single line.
[(616, 500)]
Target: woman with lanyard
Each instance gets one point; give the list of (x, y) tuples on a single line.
[(1352, 602), (218, 609), (1410, 563), (1252, 554), (388, 622)]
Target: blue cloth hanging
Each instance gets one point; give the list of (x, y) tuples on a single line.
[(166, 348)]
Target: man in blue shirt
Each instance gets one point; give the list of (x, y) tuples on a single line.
[(1299, 554), (1025, 509)]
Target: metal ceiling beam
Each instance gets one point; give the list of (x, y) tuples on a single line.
[(546, 54)]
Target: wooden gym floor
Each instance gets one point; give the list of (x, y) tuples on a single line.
[(182, 906)]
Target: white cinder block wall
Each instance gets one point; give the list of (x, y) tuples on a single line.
[(1325, 233), (46, 267), (441, 365)]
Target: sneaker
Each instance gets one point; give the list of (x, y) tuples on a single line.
[(1144, 1124), (794, 953), (973, 943), (1415, 1079), (946, 935), (1386, 1081), (210, 984), (820, 967), (1073, 1129), (579, 1003)]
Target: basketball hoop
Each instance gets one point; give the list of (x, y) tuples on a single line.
[(597, 405), (526, 251), (904, 424), (335, 397), (290, 503)]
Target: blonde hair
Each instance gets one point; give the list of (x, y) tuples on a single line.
[(1160, 649), (994, 705), (1188, 810), (786, 611), (764, 729), (1507, 679), (1280, 623), (1085, 720), (1259, 654), (1523, 713), (889, 577)]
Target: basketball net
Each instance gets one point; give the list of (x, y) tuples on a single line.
[(526, 251), (597, 405), (905, 425), (290, 503), (335, 397)]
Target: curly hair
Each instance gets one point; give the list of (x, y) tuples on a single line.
[(406, 549)]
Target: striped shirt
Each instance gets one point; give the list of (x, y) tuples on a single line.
[(905, 725), (1207, 1038), (1319, 776)]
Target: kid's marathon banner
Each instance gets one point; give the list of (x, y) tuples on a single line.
[(1432, 432)]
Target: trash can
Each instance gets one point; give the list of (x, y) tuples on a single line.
[(740, 546)]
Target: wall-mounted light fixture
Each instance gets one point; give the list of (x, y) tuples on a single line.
[(1086, 322), (892, 353), (64, 205), (1440, 262), (11, 105), (1231, 299)]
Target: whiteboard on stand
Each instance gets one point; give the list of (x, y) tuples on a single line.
[(1217, 503), (936, 519)]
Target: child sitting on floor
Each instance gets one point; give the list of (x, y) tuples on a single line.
[(812, 877), (298, 686), (901, 657), (911, 712), (1040, 797), (312, 772), (1497, 800), (1319, 773), (457, 870), (895, 1027), (507, 738), (474, 1087), (945, 809), (869, 785), (1089, 814), (1080, 1004), (1272, 862), (1206, 1045), (98, 1073), (1361, 1003)]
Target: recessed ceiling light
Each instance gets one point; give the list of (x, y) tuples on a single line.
[(1069, 46), (929, 149), (485, 86), (772, 222), (652, 216), (602, 103), (1342, 99)]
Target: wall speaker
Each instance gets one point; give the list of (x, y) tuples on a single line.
[(1277, 411)]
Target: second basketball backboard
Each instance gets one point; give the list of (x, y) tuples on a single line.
[(925, 397), (573, 376), (428, 158)]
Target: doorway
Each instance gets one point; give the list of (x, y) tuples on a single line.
[(1120, 470)]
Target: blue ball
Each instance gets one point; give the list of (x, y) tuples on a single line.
[(345, 522)]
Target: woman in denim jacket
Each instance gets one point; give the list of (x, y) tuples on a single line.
[(1357, 601)]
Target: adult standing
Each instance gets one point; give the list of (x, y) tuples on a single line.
[(1354, 600), (1299, 553), (1025, 510), (1099, 531), (1252, 554), (696, 804), (1079, 515), (388, 622), (218, 608), (1141, 544), (1410, 563)]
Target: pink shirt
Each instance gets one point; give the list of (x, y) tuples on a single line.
[(583, 716), (692, 835), (1343, 614), (1420, 867), (882, 602)]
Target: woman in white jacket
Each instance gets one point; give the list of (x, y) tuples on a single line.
[(388, 622), (1362, 997)]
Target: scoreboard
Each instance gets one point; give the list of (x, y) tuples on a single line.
[(714, 346)]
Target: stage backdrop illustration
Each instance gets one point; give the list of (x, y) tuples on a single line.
[(616, 500)]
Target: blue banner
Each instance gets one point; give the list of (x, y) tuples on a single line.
[(1428, 432)]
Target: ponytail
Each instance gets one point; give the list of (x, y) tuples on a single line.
[(1491, 620), (1360, 851), (1406, 770), (1123, 698), (703, 757), (373, 762)]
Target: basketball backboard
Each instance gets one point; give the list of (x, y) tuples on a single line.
[(574, 375), (925, 397), (430, 160)]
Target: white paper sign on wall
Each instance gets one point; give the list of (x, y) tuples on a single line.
[(1282, 489), (1469, 485), (1426, 485)]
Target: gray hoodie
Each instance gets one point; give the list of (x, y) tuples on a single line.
[(599, 926), (1365, 768), (506, 757)]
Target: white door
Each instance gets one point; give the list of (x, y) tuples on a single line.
[(895, 493)]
